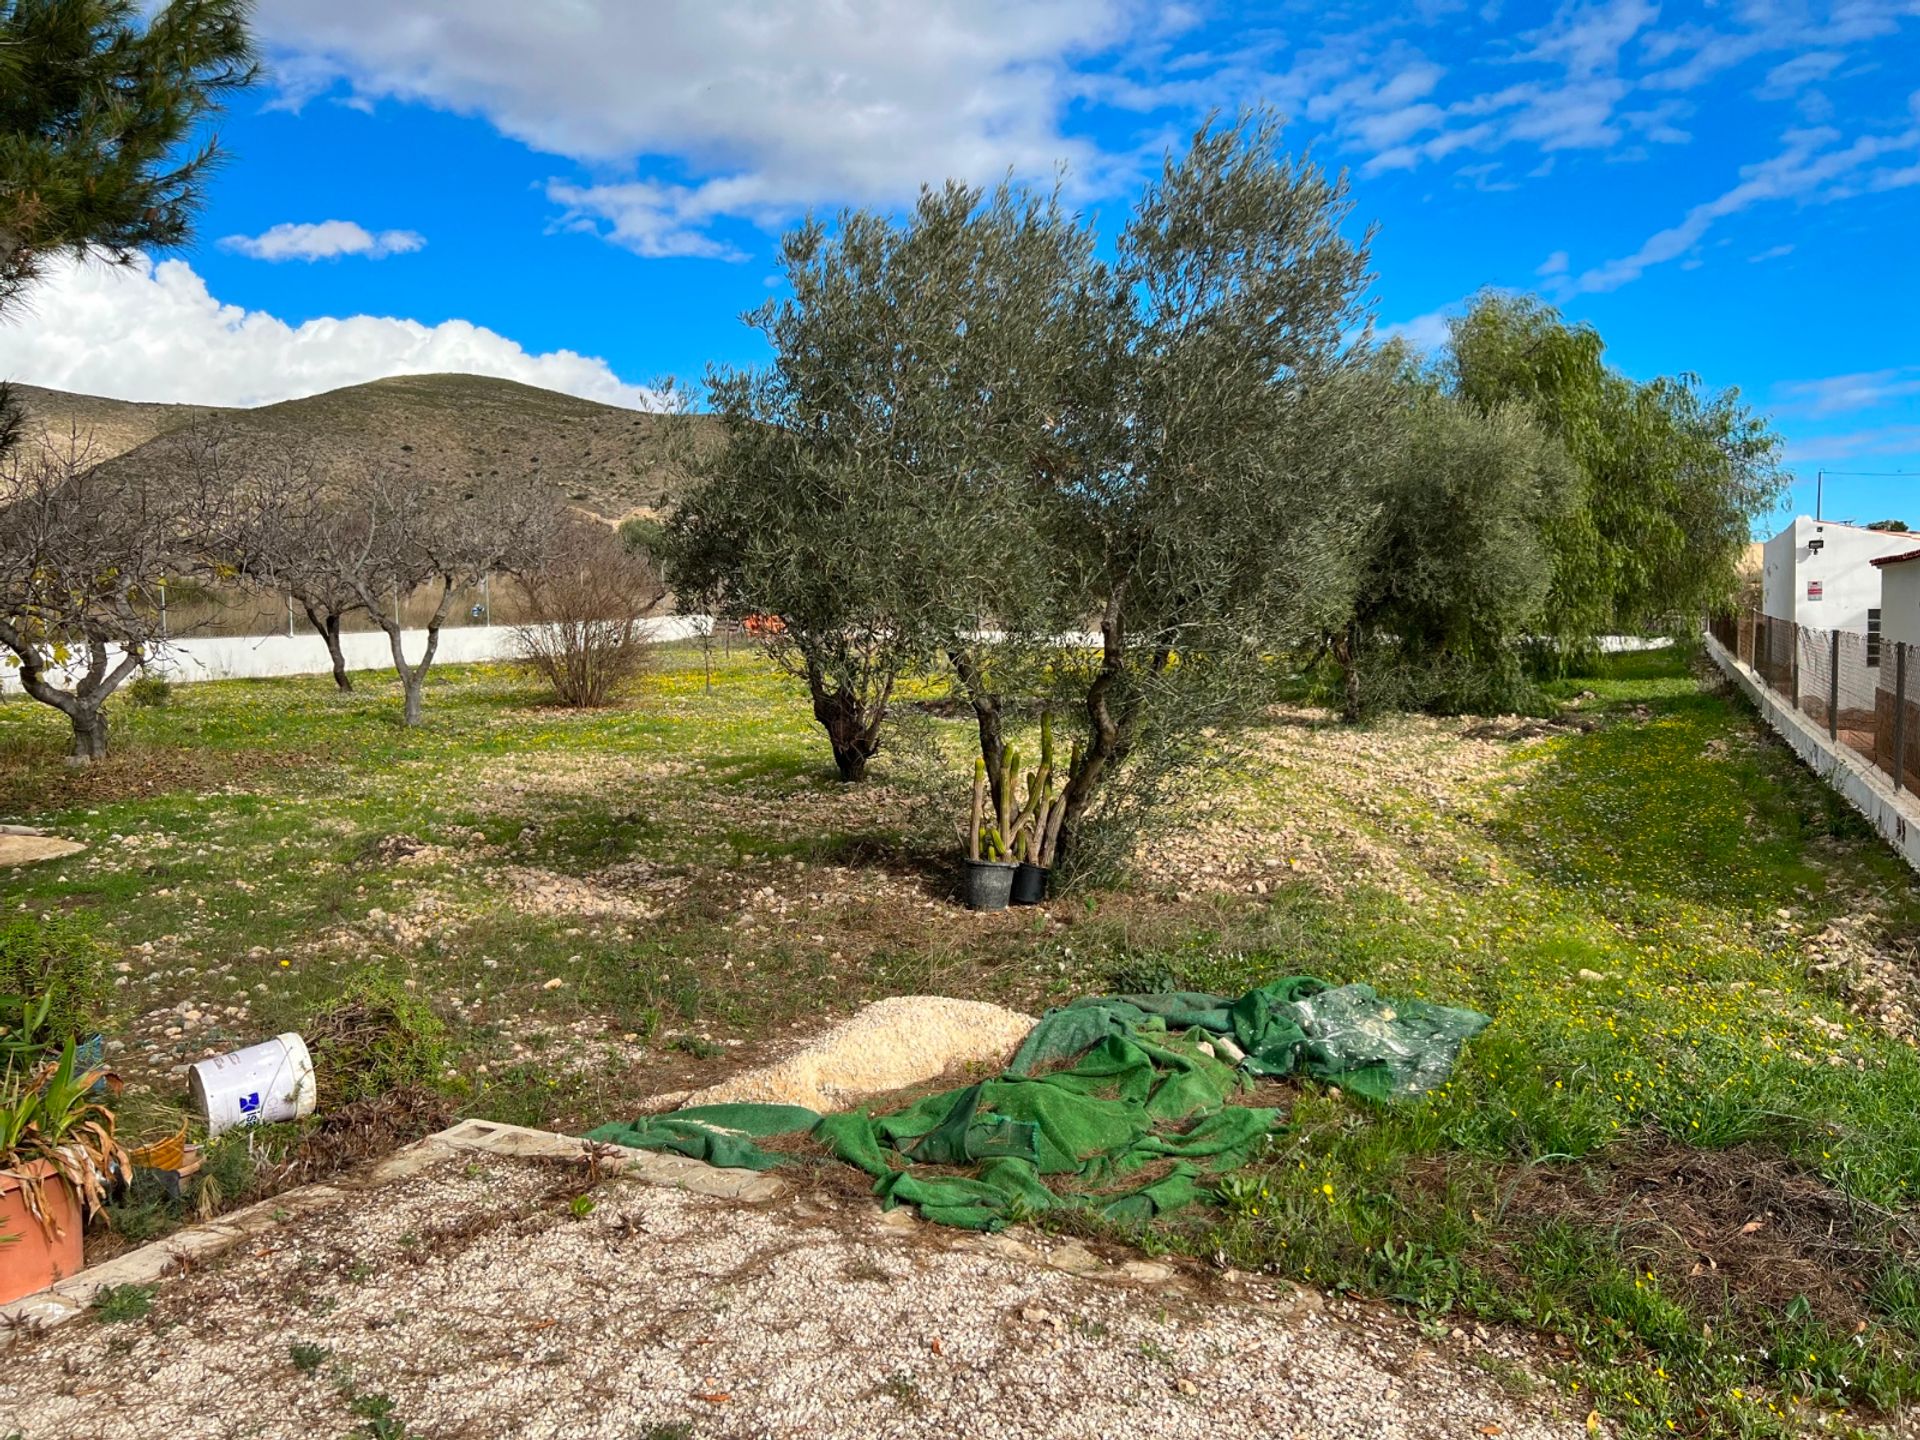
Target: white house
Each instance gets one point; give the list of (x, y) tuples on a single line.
[(1821, 573), (1900, 595)]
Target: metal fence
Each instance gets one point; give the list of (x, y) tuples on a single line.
[(1863, 690)]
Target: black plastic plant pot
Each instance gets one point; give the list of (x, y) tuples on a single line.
[(1029, 884), (986, 883)]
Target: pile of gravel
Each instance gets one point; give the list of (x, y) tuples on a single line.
[(892, 1043)]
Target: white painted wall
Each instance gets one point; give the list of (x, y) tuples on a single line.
[(252, 657), (1842, 568), (1900, 599)]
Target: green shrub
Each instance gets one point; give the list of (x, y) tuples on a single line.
[(54, 985), (150, 691), (376, 1037)]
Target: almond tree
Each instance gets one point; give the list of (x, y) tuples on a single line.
[(387, 535), (86, 553)]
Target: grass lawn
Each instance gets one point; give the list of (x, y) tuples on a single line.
[(1686, 1150)]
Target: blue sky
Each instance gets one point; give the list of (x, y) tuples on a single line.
[(585, 193)]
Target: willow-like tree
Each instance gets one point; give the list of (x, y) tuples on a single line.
[(1672, 472)]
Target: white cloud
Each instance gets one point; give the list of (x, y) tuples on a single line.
[(328, 240), (1554, 264), (1772, 252), (1887, 440), (1425, 333), (765, 110), (1843, 394), (1812, 167), (153, 332)]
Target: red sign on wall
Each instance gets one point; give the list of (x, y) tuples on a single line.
[(1814, 589)]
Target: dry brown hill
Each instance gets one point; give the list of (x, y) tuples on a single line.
[(464, 427), (108, 427)]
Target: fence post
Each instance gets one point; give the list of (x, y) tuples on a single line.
[(1833, 690), (1793, 662), (1899, 712)]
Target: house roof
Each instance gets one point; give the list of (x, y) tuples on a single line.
[(1897, 559)]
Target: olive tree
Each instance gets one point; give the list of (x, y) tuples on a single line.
[(1455, 566), (1220, 447), (870, 505)]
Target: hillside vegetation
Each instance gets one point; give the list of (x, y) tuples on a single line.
[(602, 458)]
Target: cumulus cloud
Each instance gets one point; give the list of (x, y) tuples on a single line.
[(328, 240), (760, 110), (153, 332)]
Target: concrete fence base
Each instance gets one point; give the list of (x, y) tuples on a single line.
[(1895, 814), (255, 657)]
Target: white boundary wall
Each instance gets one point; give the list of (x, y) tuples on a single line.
[(1895, 814), (254, 657)]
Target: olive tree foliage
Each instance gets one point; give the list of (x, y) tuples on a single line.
[(1455, 571), (86, 553), (99, 104), (869, 505), (1222, 438), (1672, 473)]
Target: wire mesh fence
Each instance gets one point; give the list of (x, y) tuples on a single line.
[(1862, 690)]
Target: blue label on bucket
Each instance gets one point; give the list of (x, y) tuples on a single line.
[(249, 1103)]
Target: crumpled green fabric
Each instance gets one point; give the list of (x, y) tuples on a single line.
[(1343, 1034), (721, 1135), (1150, 1080)]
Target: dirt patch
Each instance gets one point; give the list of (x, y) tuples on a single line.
[(351, 1134), (1739, 1232), (38, 780), (24, 849)]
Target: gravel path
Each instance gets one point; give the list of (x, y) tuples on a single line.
[(471, 1301)]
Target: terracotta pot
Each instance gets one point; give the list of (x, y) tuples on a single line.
[(30, 1261)]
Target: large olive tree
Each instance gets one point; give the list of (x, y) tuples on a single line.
[(1222, 439), (869, 506)]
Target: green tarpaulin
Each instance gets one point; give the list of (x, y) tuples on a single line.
[(1122, 1104)]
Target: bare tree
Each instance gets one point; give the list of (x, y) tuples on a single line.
[(583, 633), (86, 552), (386, 536)]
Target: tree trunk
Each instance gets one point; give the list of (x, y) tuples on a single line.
[(986, 715), (89, 734), (413, 683), (853, 734), (329, 628), (1346, 650)]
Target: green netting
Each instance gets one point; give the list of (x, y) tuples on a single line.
[(1133, 1108)]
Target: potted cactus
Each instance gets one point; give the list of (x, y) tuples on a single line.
[(57, 1157), (989, 868), (1038, 824), (1011, 840)]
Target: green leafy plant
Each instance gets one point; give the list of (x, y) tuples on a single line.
[(375, 1037), (54, 986), (150, 692), (117, 1304), (52, 1132)]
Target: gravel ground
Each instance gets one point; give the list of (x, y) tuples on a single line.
[(472, 1301)]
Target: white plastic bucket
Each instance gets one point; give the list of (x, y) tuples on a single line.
[(256, 1086)]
